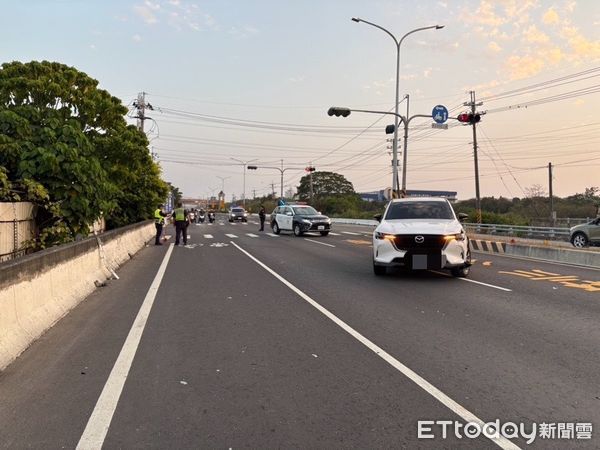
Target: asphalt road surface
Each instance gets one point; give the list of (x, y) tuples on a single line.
[(244, 339)]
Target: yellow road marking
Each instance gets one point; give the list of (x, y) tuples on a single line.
[(571, 281), (544, 273), (358, 241)]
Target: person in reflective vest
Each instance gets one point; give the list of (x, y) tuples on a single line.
[(180, 215), (159, 222)]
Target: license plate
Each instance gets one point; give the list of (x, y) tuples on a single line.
[(321, 227), (419, 262)]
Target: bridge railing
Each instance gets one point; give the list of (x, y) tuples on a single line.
[(549, 233)]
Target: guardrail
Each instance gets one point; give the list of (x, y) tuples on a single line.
[(549, 233)]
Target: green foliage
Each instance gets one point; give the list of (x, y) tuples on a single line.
[(65, 146), (324, 184)]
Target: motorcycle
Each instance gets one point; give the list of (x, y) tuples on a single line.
[(211, 217), (201, 217)]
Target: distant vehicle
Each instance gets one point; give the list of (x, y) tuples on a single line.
[(238, 214), (586, 234), (421, 233), (299, 219), (211, 216)]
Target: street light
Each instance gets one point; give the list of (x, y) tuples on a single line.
[(244, 163), (396, 103)]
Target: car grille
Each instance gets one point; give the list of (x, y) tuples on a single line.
[(431, 242)]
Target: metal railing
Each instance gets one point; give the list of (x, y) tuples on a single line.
[(547, 233)]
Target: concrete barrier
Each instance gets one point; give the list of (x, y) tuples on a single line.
[(39, 289), (570, 256)]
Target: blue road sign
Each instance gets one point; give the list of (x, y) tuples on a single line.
[(439, 114)]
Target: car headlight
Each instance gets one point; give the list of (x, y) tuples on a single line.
[(328, 220), (245, 214), (456, 237), (381, 236), (306, 221)]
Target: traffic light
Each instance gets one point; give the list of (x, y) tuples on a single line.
[(309, 169), (390, 129), (337, 111), (469, 118), (252, 167)]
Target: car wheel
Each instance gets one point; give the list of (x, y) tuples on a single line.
[(579, 240), (324, 233), (463, 272), (297, 230), (275, 227), (379, 270)]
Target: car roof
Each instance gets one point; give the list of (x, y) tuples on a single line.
[(419, 199)]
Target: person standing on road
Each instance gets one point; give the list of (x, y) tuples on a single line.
[(159, 222), (180, 216), (261, 216)]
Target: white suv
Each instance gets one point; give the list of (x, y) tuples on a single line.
[(420, 233)]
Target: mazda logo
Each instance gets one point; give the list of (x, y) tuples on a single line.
[(419, 239)]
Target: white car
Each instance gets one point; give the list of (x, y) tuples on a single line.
[(421, 233)]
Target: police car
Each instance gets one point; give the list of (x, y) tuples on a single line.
[(299, 218)]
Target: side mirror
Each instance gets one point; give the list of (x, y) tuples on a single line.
[(377, 217), (462, 217)]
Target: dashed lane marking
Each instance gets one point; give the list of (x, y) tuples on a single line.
[(252, 235), (231, 236), (334, 234), (468, 280), (351, 233), (317, 242), (272, 235), (208, 236), (448, 402)]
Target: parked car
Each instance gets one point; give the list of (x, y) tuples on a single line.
[(299, 219), (586, 234), (238, 214), (421, 233)]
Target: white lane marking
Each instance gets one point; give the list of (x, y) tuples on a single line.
[(272, 235), (230, 235), (334, 234), (413, 376), (317, 242), (252, 235), (220, 223), (244, 223), (255, 223), (543, 261), (475, 282), (208, 236), (97, 426), (352, 233)]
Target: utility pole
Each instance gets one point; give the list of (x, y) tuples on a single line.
[(551, 195), (253, 194), (473, 104), (140, 105), (273, 189), (404, 152), (310, 171)]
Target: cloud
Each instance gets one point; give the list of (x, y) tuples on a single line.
[(533, 35), (145, 13), (93, 46), (550, 17), (244, 32), (136, 38), (524, 66), (494, 47), (296, 79)]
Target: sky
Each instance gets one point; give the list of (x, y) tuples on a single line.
[(253, 79)]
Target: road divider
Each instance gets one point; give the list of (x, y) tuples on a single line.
[(39, 289)]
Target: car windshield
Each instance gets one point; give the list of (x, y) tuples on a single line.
[(305, 210), (419, 210), (237, 210)]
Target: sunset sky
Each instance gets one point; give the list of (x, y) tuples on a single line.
[(254, 79)]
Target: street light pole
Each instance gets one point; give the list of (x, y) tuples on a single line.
[(395, 184), (244, 163), (280, 169)]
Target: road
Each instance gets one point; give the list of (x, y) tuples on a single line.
[(251, 340)]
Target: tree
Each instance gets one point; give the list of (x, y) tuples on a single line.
[(324, 184), (65, 145)]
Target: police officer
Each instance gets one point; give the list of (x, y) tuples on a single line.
[(159, 222), (180, 216), (261, 215)]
